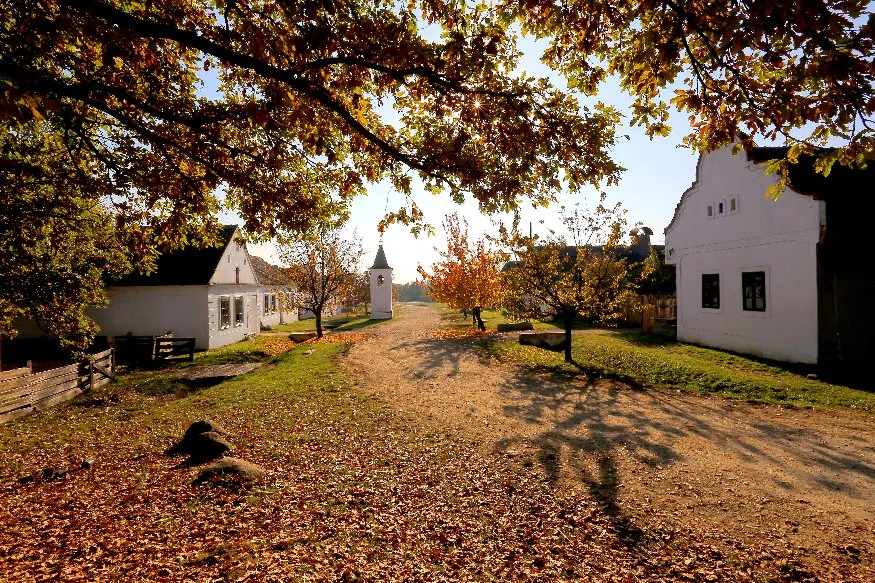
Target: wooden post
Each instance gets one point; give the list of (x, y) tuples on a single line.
[(30, 365), (112, 359), (91, 374)]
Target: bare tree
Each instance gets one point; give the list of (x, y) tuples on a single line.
[(322, 267)]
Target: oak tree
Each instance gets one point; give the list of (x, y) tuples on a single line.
[(582, 277), (468, 274), (322, 267)]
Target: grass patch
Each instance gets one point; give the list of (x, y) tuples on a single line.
[(342, 322), (644, 360), (492, 318)]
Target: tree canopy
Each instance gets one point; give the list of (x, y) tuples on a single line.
[(318, 98), (468, 274), (586, 277)]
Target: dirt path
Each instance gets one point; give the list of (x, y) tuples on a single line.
[(749, 476)]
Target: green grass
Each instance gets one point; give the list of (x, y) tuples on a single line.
[(343, 322), (647, 361), (492, 318)]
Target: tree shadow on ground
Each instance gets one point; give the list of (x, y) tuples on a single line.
[(582, 425)]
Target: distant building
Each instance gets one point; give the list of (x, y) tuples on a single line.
[(381, 287), (273, 295)]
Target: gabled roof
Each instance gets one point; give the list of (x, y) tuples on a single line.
[(264, 271), (189, 266)]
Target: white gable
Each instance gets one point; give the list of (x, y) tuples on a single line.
[(235, 257), (746, 213)]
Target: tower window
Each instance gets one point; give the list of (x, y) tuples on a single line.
[(381, 281)]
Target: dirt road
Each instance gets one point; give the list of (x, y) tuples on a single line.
[(744, 475)]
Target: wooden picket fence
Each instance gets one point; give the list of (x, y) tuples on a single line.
[(23, 391)]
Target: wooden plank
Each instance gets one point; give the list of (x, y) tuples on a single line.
[(23, 412), (11, 385), (43, 393), (14, 373), (101, 355), (101, 382), (55, 399), (22, 392), (104, 371)]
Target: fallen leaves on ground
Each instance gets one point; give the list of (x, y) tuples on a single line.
[(354, 494), (461, 334)]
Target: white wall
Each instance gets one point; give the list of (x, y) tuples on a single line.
[(235, 256), (777, 237), (381, 295), (155, 310), (219, 336)]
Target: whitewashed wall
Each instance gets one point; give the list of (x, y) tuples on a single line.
[(235, 256), (381, 295), (219, 336), (777, 237), (155, 310)]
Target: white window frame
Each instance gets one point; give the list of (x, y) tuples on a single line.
[(242, 301), (767, 313), (274, 304), (709, 211), (733, 200), (222, 324), (266, 299)]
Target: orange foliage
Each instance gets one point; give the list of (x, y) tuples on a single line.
[(469, 274)]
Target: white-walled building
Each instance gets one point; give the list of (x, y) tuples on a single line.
[(272, 294), (781, 279), (381, 287), (208, 294)]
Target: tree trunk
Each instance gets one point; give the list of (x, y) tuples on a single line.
[(569, 321), (478, 320), (318, 313)]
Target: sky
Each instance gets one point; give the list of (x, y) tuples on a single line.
[(657, 173)]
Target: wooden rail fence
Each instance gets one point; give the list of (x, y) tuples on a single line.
[(643, 310), (149, 350), (23, 391)]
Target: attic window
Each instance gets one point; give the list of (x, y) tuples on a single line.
[(236, 275), (710, 211)]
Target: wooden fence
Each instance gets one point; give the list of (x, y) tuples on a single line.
[(149, 350), (23, 391), (644, 310)]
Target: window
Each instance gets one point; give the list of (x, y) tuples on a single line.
[(266, 303), (710, 211), (753, 286), (733, 205), (236, 275), (721, 208), (238, 311), (381, 281), (711, 291), (273, 303), (224, 312)]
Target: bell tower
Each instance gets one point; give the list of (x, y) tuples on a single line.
[(381, 287)]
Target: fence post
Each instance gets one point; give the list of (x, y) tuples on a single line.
[(91, 373)]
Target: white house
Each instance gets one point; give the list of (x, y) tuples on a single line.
[(209, 294), (786, 279)]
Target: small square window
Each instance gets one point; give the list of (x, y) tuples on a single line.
[(753, 286), (711, 291)]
